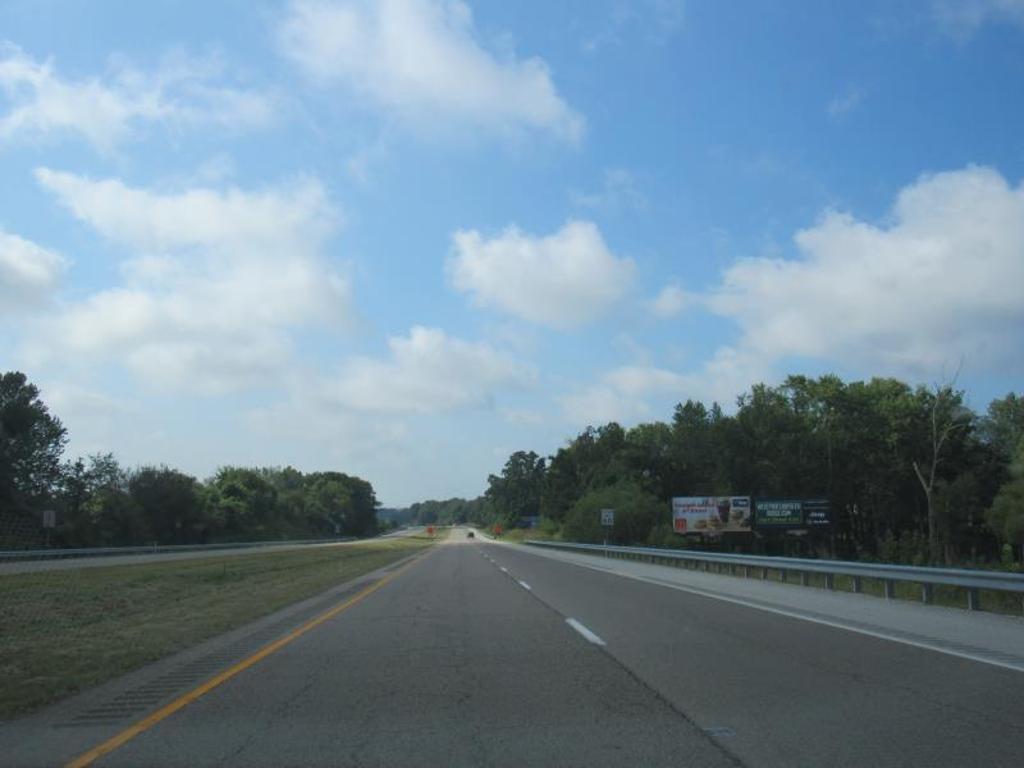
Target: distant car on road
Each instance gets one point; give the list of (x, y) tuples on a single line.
[(470, 535)]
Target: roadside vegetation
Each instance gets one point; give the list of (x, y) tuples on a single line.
[(98, 502), (913, 475), (63, 631)]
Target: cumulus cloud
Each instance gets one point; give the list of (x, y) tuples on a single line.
[(214, 281), (670, 301), (938, 281), (618, 190), (183, 91), (625, 394), (28, 272), (563, 280), (522, 416), (426, 372), (420, 60)]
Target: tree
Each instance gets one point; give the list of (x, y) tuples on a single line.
[(1003, 425), (636, 513), (339, 504), (946, 417), (87, 488), (244, 502), (1006, 516), (31, 444), (171, 504), (516, 492)]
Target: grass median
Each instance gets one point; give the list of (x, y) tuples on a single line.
[(63, 631)]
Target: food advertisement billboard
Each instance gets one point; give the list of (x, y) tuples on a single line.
[(711, 515)]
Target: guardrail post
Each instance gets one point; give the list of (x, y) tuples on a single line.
[(804, 578), (926, 593), (858, 585), (890, 589), (764, 574), (973, 600), (746, 571), (830, 581)]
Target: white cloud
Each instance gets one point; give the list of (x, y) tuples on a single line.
[(962, 18), (28, 272), (95, 421), (215, 281), (230, 222), (522, 416), (938, 281), (105, 111), (671, 301), (309, 424), (618, 190), (600, 404), (426, 372), (419, 59), (845, 102), (628, 394), (621, 395), (564, 280)]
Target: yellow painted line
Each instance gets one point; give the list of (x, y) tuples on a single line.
[(185, 699)]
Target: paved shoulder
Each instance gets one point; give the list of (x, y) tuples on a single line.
[(779, 691)]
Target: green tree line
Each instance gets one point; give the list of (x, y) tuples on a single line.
[(454, 511), (913, 475), (98, 502)]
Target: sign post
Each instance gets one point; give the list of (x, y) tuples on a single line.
[(607, 521), (49, 521)]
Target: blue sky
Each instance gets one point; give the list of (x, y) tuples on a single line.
[(403, 239)]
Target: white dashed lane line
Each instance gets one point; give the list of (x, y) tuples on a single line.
[(590, 636)]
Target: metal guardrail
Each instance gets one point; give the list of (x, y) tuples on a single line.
[(970, 580), (60, 554)]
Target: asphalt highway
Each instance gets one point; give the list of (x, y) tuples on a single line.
[(482, 654)]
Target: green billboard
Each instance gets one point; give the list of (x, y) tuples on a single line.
[(778, 513), (783, 514)]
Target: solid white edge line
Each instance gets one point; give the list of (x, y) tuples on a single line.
[(587, 634), (525, 586), (802, 617), (503, 569)]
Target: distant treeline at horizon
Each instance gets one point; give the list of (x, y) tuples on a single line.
[(98, 502), (911, 473)]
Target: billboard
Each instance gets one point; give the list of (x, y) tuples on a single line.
[(711, 514), (783, 514)]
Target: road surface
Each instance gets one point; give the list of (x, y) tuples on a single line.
[(483, 654)]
